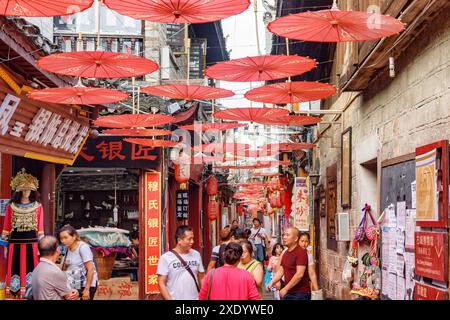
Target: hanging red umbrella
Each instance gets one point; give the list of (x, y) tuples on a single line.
[(133, 120), (291, 92), (220, 147), (178, 11), (152, 142), (251, 114), (244, 167), (263, 174), (187, 92), (335, 26), (296, 121), (261, 68), (288, 146), (97, 64), (137, 132), (43, 8), (257, 153), (78, 95), (217, 126)]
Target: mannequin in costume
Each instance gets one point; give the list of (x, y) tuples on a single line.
[(22, 228)]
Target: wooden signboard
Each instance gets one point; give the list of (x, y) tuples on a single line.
[(432, 185), (37, 130), (431, 250), (152, 239), (426, 292), (331, 206)]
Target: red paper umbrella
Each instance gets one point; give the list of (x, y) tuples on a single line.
[(221, 147), (212, 126), (133, 120), (257, 153), (288, 146), (263, 174), (336, 26), (291, 92), (251, 114), (296, 121), (187, 92), (244, 167), (42, 8), (261, 68), (97, 64), (137, 132), (152, 142), (178, 11), (78, 95)]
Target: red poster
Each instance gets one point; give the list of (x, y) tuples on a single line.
[(430, 255), (426, 292), (152, 213)]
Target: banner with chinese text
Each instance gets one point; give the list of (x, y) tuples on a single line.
[(152, 218), (301, 204)]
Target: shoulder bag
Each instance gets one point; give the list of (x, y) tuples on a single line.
[(188, 269), (210, 284)]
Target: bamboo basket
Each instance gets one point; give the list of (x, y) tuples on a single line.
[(105, 265)]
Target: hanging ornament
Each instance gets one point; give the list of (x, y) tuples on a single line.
[(213, 210), (182, 174), (211, 186)]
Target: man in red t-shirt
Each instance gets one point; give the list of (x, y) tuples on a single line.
[(294, 267)]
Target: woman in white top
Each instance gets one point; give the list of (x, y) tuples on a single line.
[(304, 243), (79, 263)]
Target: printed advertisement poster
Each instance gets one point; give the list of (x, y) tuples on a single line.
[(301, 204), (426, 187)]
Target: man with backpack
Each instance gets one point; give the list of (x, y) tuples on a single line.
[(258, 237), (180, 270)]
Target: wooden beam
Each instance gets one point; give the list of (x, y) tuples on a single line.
[(393, 161)]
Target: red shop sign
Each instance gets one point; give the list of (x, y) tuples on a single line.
[(152, 214), (426, 292), (430, 255)]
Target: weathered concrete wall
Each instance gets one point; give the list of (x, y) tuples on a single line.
[(390, 119)]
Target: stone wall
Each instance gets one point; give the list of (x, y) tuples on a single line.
[(390, 119)]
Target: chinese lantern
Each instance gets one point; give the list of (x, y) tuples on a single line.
[(182, 174), (240, 210), (288, 200), (278, 203), (213, 209), (211, 186)]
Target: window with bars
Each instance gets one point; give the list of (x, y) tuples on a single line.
[(197, 61), (175, 37)]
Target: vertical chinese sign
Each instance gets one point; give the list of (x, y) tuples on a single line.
[(301, 204), (152, 215)]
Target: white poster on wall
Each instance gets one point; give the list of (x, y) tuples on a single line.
[(413, 194)]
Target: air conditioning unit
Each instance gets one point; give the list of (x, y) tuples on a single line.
[(172, 108), (343, 226)]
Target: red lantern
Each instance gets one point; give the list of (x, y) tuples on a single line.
[(240, 209), (182, 172), (213, 210), (211, 186), (278, 203), (288, 200)]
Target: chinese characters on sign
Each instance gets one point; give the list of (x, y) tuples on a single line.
[(430, 255), (301, 204), (425, 292), (47, 129), (152, 216), (113, 152), (182, 204)]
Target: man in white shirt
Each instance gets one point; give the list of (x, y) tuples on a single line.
[(257, 237), (49, 282), (180, 271)]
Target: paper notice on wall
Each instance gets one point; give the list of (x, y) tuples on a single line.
[(392, 286), (413, 194), (409, 275), (401, 288), (410, 228), (392, 258), (400, 240), (384, 282), (392, 218), (401, 215), (400, 265)]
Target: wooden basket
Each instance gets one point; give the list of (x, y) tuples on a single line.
[(105, 265)]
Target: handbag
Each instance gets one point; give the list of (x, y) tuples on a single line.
[(210, 284), (75, 276), (188, 269)]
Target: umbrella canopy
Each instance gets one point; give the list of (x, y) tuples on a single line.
[(78, 95), (137, 132), (133, 120), (221, 147), (97, 64), (336, 26), (258, 165), (288, 146), (257, 153), (295, 121), (263, 174), (217, 126), (261, 68), (291, 92), (251, 114), (42, 8), (152, 142), (187, 92), (178, 11)]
